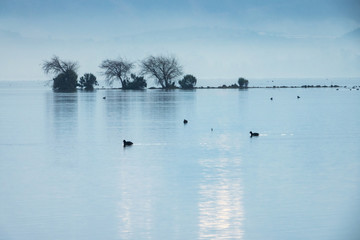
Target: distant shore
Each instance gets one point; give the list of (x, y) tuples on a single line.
[(347, 85), (252, 87)]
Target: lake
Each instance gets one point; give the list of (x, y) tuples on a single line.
[(64, 173)]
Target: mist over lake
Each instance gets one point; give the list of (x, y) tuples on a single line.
[(207, 119), (64, 173)]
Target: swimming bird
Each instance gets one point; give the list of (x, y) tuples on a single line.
[(298, 97), (254, 134), (127, 143), (104, 97), (271, 98), (185, 121)]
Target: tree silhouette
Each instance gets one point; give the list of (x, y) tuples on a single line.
[(65, 82), (137, 83), (243, 83), (117, 70), (188, 82), (65, 71), (163, 69), (88, 81)]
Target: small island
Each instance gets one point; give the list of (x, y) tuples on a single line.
[(164, 70)]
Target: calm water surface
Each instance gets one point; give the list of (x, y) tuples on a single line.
[(65, 175)]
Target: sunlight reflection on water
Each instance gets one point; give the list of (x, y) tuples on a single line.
[(220, 205)]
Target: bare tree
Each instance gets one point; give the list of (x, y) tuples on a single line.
[(117, 70), (163, 69), (56, 66), (65, 71)]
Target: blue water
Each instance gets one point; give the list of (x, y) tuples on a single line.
[(65, 175)]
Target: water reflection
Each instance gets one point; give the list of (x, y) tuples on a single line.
[(163, 105), (135, 218), (63, 109), (117, 107), (62, 120), (221, 212)]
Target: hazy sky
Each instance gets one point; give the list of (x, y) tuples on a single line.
[(212, 39)]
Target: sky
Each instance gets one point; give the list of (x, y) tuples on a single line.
[(212, 39)]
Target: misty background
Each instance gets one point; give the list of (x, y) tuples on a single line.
[(211, 39)]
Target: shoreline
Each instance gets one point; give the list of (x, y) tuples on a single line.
[(236, 87), (347, 85)]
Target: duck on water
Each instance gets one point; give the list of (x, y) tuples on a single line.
[(254, 134), (127, 143)]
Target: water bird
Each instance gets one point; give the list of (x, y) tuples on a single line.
[(271, 98), (104, 97), (127, 143), (255, 134), (185, 121), (298, 97)]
